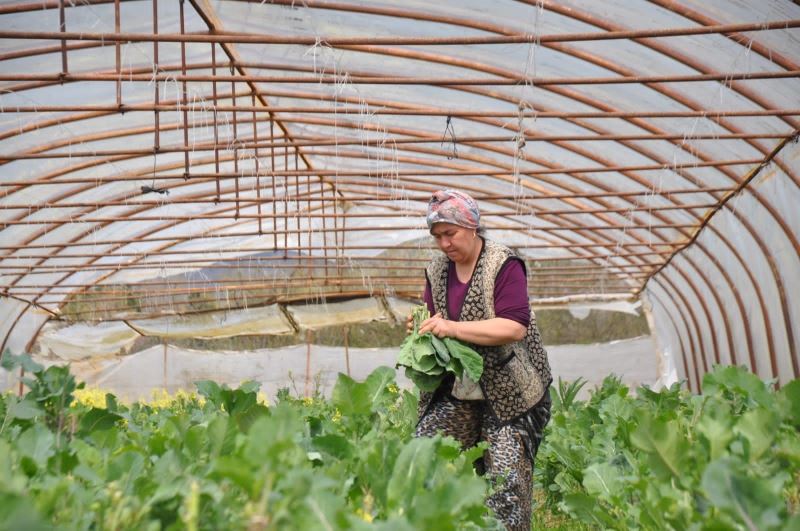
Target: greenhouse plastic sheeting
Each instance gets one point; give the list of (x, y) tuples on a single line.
[(82, 341), (729, 298), (268, 320), (316, 316), (167, 367), (286, 150)]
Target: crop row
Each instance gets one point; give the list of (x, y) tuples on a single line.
[(223, 459)]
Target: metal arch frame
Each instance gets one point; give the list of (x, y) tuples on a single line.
[(680, 299), (777, 279), (669, 317), (786, 63), (709, 316), (785, 310), (689, 322), (749, 352), (709, 355)]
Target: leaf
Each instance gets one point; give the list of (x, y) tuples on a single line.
[(350, 396), (583, 507), (410, 472), (37, 443), (246, 409), (236, 470), (423, 349), (759, 427), (424, 382), (212, 391), (792, 524), (377, 382), (325, 511), (426, 363), (97, 419), (361, 398), (10, 361), (130, 462), (566, 393), (111, 403), (221, 435), (754, 502), (406, 355), (17, 512), (665, 444), (471, 360), (334, 445), (442, 354), (739, 383), (716, 426), (249, 386), (24, 409), (195, 440), (602, 480), (789, 395)]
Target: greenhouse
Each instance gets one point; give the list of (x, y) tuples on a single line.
[(217, 215)]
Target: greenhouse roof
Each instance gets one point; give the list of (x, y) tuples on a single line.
[(177, 153)]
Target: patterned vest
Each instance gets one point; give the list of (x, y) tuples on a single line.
[(515, 376)]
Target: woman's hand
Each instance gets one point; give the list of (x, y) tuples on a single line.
[(490, 332), (439, 326), (409, 323)]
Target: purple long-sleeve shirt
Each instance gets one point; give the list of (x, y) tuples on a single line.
[(510, 293)]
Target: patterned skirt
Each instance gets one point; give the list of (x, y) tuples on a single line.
[(512, 448)]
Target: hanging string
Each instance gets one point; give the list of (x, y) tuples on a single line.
[(153, 189), (449, 131)]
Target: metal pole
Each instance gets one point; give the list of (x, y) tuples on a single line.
[(308, 364), (347, 349)]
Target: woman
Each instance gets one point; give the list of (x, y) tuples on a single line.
[(477, 293)]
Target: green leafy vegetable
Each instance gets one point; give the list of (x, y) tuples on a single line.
[(223, 460), (668, 459), (428, 358)]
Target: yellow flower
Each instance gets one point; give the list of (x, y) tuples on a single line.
[(364, 515), (337, 416), (307, 401), (392, 388), (160, 398), (262, 399), (365, 511), (90, 396)]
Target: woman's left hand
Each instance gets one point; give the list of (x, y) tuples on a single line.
[(439, 326)]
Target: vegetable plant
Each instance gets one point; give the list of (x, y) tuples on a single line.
[(222, 460), (427, 358), (726, 459)]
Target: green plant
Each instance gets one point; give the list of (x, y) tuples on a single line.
[(49, 395), (565, 394), (427, 358), (726, 459), (228, 462)]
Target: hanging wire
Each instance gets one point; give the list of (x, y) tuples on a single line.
[(449, 131)]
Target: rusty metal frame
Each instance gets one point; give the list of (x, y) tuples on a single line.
[(586, 241)]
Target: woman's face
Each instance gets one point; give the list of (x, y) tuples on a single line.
[(457, 242)]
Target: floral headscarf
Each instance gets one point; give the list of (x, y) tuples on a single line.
[(452, 206)]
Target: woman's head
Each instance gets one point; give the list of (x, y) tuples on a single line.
[(454, 222), (454, 207)]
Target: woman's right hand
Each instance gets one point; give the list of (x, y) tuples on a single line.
[(409, 323)]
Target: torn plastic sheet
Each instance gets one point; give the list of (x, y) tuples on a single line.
[(266, 320), (85, 340), (316, 316)]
